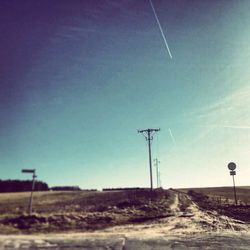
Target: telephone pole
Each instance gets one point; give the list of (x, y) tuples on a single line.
[(157, 172), (148, 134)]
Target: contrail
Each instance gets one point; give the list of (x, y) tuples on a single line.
[(162, 33), (172, 137)]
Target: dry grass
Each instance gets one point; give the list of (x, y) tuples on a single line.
[(75, 201), (16, 203)]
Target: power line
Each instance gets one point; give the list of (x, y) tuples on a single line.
[(148, 134)]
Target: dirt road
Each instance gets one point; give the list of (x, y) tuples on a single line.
[(126, 242)]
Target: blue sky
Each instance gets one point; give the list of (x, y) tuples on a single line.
[(78, 78)]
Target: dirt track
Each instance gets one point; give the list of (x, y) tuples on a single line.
[(127, 242)]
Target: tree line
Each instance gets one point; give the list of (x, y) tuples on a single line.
[(7, 186), (22, 185), (66, 188)]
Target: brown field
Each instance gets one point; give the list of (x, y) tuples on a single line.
[(72, 201), (182, 210), (225, 195), (80, 210), (221, 199)]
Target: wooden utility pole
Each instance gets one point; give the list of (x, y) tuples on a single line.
[(148, 134)]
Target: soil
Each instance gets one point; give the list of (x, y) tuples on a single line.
[(167, 212)]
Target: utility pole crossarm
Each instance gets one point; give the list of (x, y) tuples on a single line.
[(149, 130), (148, 133)]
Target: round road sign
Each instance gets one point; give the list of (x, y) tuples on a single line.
[(231, 166)]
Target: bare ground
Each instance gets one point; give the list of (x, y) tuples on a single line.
[(121, 220), (168, 212)]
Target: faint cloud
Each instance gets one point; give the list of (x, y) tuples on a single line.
[(230, 112)]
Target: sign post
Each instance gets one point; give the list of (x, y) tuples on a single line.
[(33, 172), (232, 166)]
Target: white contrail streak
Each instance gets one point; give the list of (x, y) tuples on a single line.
[(172, 137), (162, 33)]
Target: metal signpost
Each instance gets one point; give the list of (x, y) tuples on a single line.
[(31, 171), (232, 166)]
